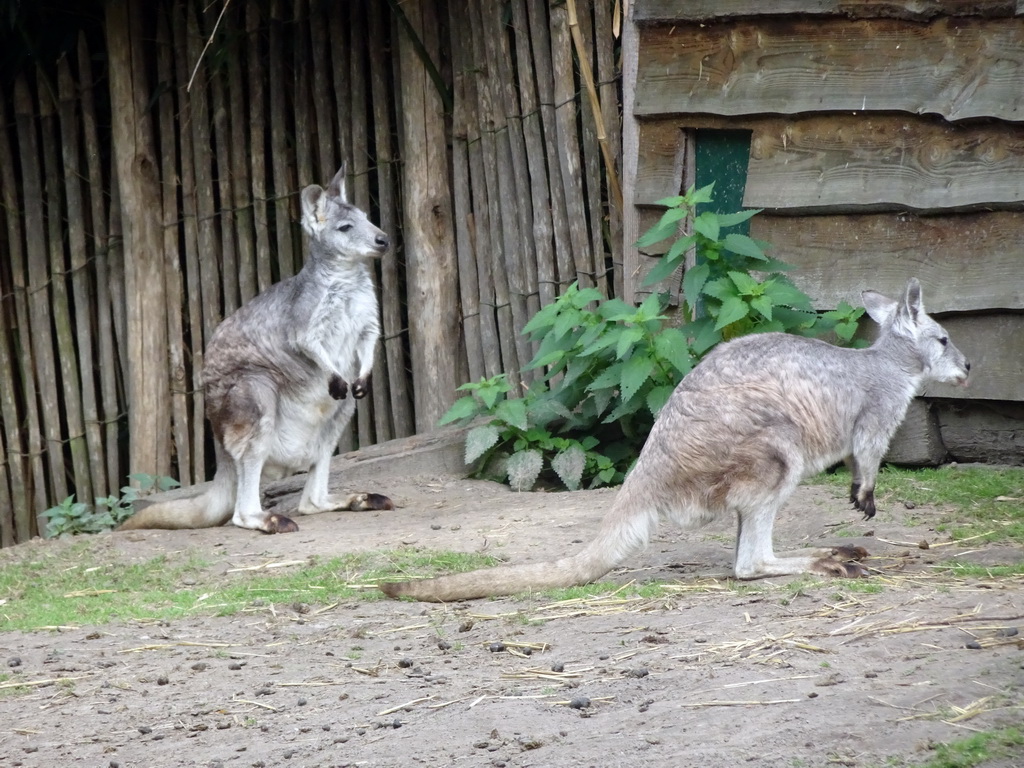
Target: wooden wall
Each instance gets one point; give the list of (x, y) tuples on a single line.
[(887, 140)]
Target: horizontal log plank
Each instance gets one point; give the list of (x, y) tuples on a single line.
[(648, 11), (966, 262), (994, 343), (956, 67), (841, 161)]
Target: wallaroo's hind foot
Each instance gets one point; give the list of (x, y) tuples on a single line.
[(370, 501), (280, 524), (843, 562)]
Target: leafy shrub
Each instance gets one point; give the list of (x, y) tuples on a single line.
[(71, 517), (608, 367)]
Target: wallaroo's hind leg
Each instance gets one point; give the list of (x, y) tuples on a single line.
[(315, 494), (243, 425), (316, 498), (755, 557)]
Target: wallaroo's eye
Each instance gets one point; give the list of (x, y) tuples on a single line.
[(944, 340), (344, 227)]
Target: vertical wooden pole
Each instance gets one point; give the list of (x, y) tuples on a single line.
[(146, 352), (432, 266)]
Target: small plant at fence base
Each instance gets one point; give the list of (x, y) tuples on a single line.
[(609, 367), (72, 517)]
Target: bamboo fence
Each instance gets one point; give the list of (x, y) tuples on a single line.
[(249, 102)]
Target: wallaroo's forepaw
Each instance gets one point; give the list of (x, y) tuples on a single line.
[(337, 387), (280, 524), (371, 501), (361, 387)]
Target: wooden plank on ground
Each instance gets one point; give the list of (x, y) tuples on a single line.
[(966, 262), (958, 68)]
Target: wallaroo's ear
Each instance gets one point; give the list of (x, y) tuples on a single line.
[(314, 208), (913, 305), (337, 186), (879, 307)]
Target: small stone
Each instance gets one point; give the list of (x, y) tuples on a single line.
[(14, 661), (302, 702), (909, 505), (579, 702), (145, 729), (405, 663), (974, 645), (162, 680), (200, 666), (235, 666), (558, 667), (435, 527), (325, 727), (1009, 632), (496, 647), (639, 672)]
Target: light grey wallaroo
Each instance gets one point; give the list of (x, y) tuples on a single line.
[(753, 419), (279, 373)]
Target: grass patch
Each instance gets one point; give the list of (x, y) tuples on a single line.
[(73, 587), (605, 589), (978, 749), (980, 499)]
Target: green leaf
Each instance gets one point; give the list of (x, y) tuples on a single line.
[(581, 298), (662, 270), (657, 398), (524, 469), (671, 202), (723, 288), (569, 465), (634, 374), (463, 408), (693, 282), (733, 310), (512, 412), (745, 284), (680, 246), (671, 345), (788, 295), (732, 219), (845, 330), (763, 305), (702, 195), (609, 377), (666, 227), (707, 225), (743, 245), (479, 440), (705, 335), (615, 310), (627, 340)]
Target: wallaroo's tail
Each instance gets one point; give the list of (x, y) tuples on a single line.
[(619, 537), (208, 509)]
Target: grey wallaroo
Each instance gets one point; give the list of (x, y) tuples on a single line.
[(753, 419), (279, 372)]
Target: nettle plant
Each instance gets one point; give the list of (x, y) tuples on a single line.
[(71, 517), (609, 367)]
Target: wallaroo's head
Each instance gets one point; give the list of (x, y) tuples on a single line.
[(340, 229), (940, 360)]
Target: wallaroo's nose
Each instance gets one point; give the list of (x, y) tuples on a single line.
[(967, 365), (382, 241)]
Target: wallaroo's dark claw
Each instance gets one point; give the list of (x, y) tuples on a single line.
[(280, 524), (337, 387)]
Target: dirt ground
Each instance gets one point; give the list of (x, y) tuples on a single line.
[(718, 675)]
